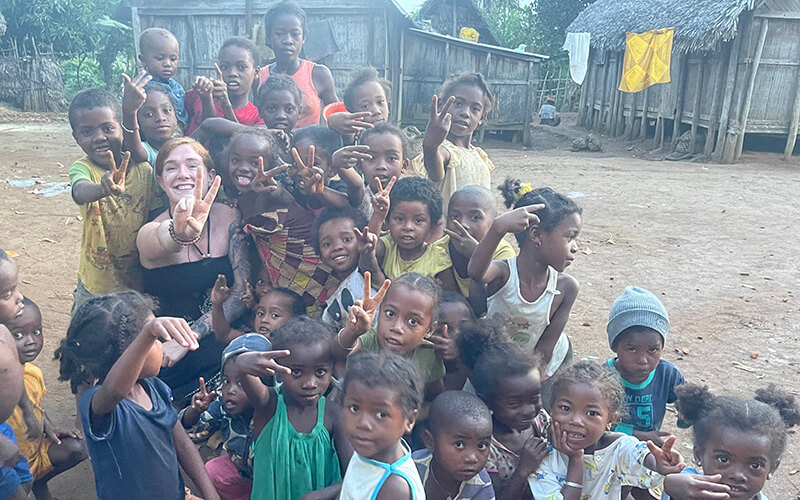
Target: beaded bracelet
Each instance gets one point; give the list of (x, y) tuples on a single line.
[(177, 239)]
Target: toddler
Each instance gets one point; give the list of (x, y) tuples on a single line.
[(448, 157), (382, 396), (637, 330), (738, 442), (285, 26), (114, 198), (49, 449), (297, 434), (586, 459), (530, 293), (158, 53), (457, 445), (229, 94), (132, 431)]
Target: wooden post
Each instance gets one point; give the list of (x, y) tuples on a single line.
[(248, 18), (642, 132), (676, 123), (601, 115), (762, 36), (632, 98), (730, 82), (528, 115), (455, 22), (620, 127), (599, 87), (793, 125), (614, 111), (698, 88), (584, 97), (714, 113), (733, 127), (400, 79)]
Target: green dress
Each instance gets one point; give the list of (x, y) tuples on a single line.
[(288, 464)]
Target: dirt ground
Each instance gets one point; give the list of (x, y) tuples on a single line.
[(716, 242)]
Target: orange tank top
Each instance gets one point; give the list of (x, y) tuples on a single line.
[(312, 105)]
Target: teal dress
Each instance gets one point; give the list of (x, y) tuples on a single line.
[(288, 464)]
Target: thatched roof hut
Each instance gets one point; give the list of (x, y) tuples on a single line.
[(449, 16), (735, 70)]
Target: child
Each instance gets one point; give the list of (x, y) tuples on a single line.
[(470, 214), (531, 292), (51, 450), (114, 200), (509, 382), (407, 311), (413, 207), (132, 431), (10, 392), (326, 142), (12, 302), (457, 445), (366, 99), (448, 157), (232, 414), (738, 442), (295, 430), (279, 103), (382, 396), (471, 342), (229, 95), (455, 314), (586, 459), (338, 245), (157, 120), (285, 26), (158, 53), (637, 330)]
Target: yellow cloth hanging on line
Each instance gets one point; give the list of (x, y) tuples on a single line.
[(647, 59)]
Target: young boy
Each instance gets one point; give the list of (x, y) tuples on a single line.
[(49, 450), (638, 325), (158, 53), (382, 396), (456, 448), (114, 200)]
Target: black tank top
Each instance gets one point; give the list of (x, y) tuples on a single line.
[(183, 290)]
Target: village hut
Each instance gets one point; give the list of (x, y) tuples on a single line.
[(735, 70), (349, 34), (449, 16)]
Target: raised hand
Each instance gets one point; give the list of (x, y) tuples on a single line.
[(113, 181), (362, 312), (559, 441), (696, 487), (350, 156), (202, 399), (261, 364), (439, 122), (248, 298), (533, 453), (309, 178), (192, 212), (367, 241), (668, 461), (204, 86), (518, 220), (221, 292), (265, 180), (219, 89), (444, 346), (463, 242), (281, 136), (133, 94), (380, 200), (167, 329), (349, 123)]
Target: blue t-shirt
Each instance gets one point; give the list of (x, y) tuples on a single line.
[(12, 477), (646, 403), (178, 96), (133, 455)]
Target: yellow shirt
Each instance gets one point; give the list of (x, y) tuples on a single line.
[(434, 260), (503, 251), (34, 451), (109, 259), (430, 367), (466, 167)]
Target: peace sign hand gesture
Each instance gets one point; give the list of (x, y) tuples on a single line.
[(367, 241), (518, 220), (668, 461), (310, 178), (362, 312), (113, 182), (265, 180), (463, 242), (133, 94), (380, 200), (192, 212), (202, 399), (440, 121)]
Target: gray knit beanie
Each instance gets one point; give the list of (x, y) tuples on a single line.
[(637, 307)]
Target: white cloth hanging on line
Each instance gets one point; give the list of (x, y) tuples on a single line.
[(578, 46)]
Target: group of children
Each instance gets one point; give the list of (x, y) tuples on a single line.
[(394, 344)]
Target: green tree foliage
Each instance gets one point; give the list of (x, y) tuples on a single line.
[(552, 19)]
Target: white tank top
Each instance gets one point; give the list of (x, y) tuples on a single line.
[(365, 477), (524, 320)]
